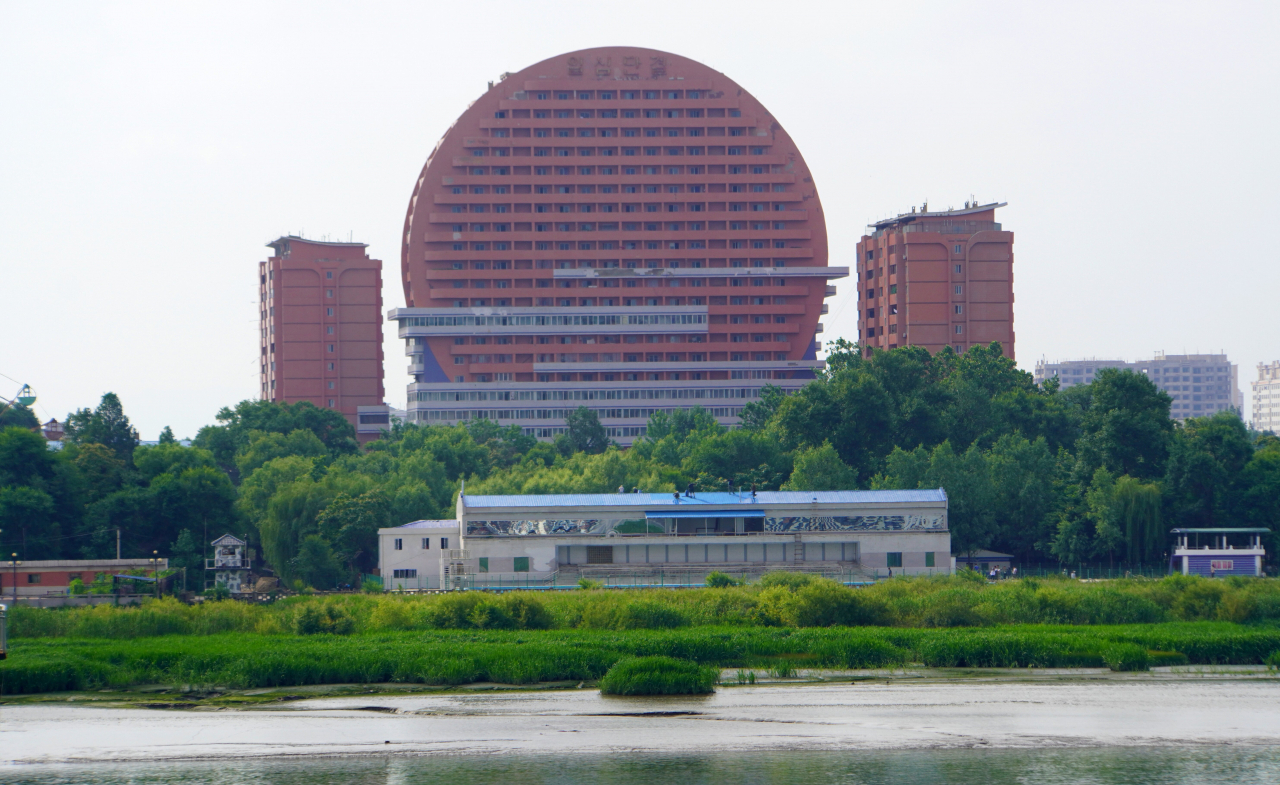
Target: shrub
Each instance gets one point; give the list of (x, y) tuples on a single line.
[(1273, 660), (1126, 657), (618, 612), (659, 676), (719, 580), (586, 584), (791, 580), (821, 603), (327, 619)]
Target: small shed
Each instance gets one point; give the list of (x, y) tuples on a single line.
[(1217, 553), (983, 560)]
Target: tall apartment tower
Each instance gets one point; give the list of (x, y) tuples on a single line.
[(1200, 385), (1266, 398), (321, 325), (936, 279), (617, 228)]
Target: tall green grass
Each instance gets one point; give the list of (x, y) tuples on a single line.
[(451, 657), (659, 676), (778, 600)]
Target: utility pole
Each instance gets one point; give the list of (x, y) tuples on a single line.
[(117, 544)]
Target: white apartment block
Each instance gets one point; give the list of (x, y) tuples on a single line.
[(1266, 398), (1200, 384)]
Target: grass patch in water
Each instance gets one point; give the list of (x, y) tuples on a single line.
[(659, 676)]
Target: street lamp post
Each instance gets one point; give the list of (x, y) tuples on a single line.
[(155, 570), (13, 562)]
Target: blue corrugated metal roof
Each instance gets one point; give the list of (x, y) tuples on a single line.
[(718, 499), (451, 523)]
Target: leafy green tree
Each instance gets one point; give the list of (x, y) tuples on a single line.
[(100, 470), (236, 425), (316, 565), (971, 509), (820, 469), (350, 526), (738, 458), (853, 411), (264, 446), (166, 436), (586, 434), (17, 416), (41, 492), (28, 514), (106, 425), (1125, 423), (756, 415), (186, 553), (1206, 462)]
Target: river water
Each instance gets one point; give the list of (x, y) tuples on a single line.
[(1137, 730)]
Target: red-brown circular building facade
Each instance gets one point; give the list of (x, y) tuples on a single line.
[(601, 224)]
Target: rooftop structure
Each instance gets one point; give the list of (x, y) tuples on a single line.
[(936, 279), (620, 228), (546, 540), (321, 325), (1266, 398), (1200, 384)]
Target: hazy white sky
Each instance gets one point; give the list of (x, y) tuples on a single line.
[(149, 150)]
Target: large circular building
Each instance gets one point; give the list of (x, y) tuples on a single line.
[(619, 228)]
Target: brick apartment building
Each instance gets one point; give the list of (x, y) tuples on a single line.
[(321, 325), (936, 279)]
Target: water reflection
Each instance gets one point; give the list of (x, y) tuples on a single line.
[(1097, 766)]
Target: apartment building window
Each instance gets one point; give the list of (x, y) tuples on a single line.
[(399, 544), (329, 329), (330, 348), (959, 288), (959, 329), (426, 543), (959, 309), (958, 249), (444, 543)]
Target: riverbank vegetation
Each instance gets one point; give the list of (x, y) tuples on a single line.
[(455, 657), (1096, 473), (783, 622), (779, 599)]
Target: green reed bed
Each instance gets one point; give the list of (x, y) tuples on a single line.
[(453, 657), (778, 600)]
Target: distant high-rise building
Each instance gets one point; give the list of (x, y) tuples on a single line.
[(617, 228), (1266, 398), (936, 279), (321, 325), (1200, 384)]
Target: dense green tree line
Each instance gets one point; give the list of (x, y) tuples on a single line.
[(1097, 473)]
